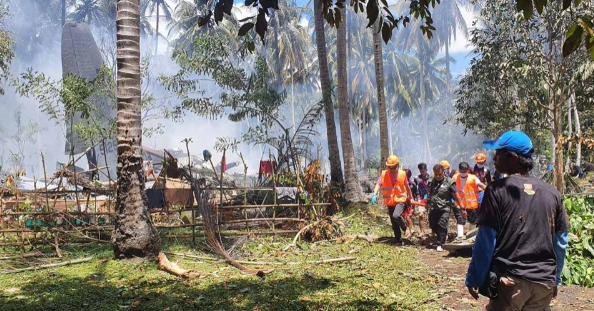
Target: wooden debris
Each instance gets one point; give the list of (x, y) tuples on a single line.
[(271, 263), (170, 267), (350, 238), (312, 262), (53, 265)]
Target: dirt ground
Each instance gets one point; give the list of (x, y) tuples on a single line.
[(454, 266)]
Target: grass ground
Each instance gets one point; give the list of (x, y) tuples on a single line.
[(383, 277)]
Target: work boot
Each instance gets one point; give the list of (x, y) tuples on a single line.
[(461, 235)]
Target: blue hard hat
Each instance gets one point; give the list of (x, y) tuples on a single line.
[(516, 141)]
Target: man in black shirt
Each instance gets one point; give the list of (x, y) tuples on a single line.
[(441, 192), (522, 232)]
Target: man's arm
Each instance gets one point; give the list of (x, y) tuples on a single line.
[(561, 237), (560, 248), (480, 185), (482, 255)]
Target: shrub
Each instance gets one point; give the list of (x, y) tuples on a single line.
[(579, 265)]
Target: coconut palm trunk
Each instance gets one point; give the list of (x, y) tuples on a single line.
[(135, 234), (381, 97), (334, 154), (353, 192)]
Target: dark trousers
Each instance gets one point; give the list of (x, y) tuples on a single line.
[(471, 215), (438, 221), (397, 220), (460, 220)]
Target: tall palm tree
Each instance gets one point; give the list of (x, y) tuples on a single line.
[(291, 55), (88, 11), (186, 23), (155, 5), (333, 153), (353, 192), (135, 233), (381, 97), (448, 21)]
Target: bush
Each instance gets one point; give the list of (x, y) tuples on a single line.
[(579, 265)]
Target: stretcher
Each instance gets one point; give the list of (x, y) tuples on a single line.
[(462, 244)]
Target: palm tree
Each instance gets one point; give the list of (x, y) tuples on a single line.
[(135, 233), (88, 11), (187, 23), (291, 56), (448, 20), (381, 97), (155, 5), (333, 153), (353, 192)]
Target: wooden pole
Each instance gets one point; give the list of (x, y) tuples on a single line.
[(219, 215), (245, 170), (274, 190), (187, 141), (45, 182)]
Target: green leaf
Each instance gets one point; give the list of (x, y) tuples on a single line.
[(243, 30), (386, 33), (572, 40), (372, 12)]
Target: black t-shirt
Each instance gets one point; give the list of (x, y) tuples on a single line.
[(526, 213), (441, 193)]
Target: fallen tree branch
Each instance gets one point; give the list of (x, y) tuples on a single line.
[(53, 265), (170, 267), (314, 262), (270, 263), (192, 256)]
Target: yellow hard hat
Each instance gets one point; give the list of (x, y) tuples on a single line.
[(480, 158), (392, 161), (445, 164)]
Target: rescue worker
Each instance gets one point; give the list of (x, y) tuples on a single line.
[(446, 166), (468, 191), (440, 197), (482, 172), (396, 193), (520, 259), (479, 170)]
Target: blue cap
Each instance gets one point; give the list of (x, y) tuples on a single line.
[(516, 141)]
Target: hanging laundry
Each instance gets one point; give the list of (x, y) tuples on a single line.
[(223, 164), (266, 168)]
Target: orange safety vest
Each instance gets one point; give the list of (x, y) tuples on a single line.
[(394, 193), (470, 194)]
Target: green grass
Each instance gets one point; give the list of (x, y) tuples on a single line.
[(382, 277)]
